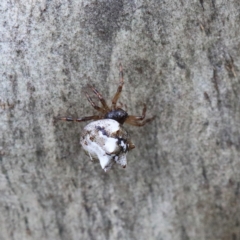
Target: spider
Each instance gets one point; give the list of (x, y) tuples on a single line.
[(105, 138), (114, 112)]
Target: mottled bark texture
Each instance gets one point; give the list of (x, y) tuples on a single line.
[(180, 57)]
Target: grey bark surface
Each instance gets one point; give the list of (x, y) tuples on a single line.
[(181, 58)]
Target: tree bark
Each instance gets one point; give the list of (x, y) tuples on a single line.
[(181, 58)]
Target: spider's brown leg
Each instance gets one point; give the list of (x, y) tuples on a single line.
[(135, 122), (119, 106), (83, 119), (139, 120), (130, 145), (93, 104), (139, 117), (100, 97), (119, 90)]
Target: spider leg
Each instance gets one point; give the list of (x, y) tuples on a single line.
[(119, 106), (83, 119), (100, 97), (136, 122), (130, 145), (93, 104), (119, 90), (139, 120), (132, 118)]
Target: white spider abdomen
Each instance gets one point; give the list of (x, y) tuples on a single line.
[(107, 141)]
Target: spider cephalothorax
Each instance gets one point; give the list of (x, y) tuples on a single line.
[(105, 138), (118, 115)]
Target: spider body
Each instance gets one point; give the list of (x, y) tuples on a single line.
[(107, 141), (105, 138)]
